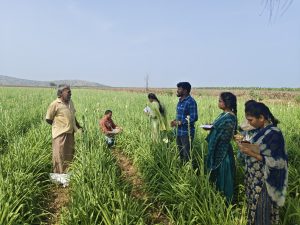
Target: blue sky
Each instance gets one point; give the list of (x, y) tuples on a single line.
[(209, 43)]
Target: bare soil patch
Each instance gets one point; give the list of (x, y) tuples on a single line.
[(130, 174), (58, 199)]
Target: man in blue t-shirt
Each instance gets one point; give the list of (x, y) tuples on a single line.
[(186, 116)]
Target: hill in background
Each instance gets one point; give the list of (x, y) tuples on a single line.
[(12, 81)]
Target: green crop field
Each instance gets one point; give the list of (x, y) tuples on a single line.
[(98, 191)]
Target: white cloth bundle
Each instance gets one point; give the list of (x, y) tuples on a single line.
[(60, 178)]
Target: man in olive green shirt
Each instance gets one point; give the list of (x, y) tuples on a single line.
[(61, 115)]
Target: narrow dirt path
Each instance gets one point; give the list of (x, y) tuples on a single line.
[(130, 174), (58, 198)]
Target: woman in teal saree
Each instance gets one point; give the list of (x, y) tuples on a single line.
[(220, 162)]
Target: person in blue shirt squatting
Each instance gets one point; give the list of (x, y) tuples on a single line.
[(186, 116)]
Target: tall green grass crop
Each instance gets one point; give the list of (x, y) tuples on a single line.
[(98, 194)]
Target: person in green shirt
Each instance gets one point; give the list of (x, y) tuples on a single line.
[(220, 163), (158, 118)]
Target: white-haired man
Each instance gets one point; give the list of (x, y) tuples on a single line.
[(61, 115)]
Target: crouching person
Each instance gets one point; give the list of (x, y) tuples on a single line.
[(109, 128)]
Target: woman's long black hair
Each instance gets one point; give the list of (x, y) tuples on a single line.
[(153, 96), (260, 109), (229, 100)]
